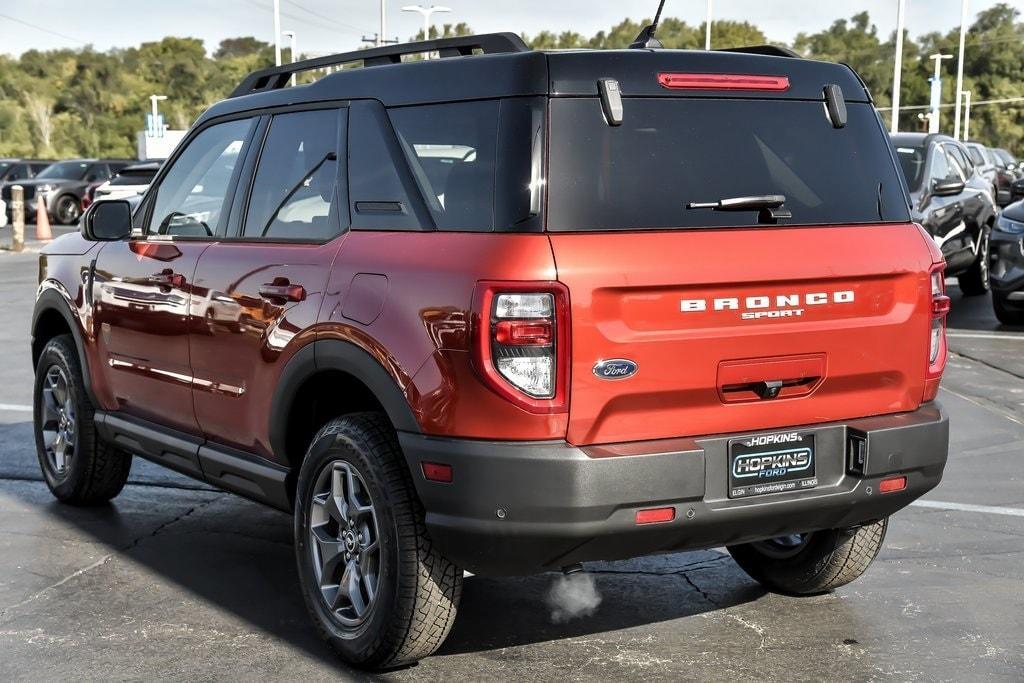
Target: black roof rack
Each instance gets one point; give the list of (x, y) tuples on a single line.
[(489, 43), (770, 50)]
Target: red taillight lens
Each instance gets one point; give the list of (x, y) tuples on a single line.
[(522, 342), (892, 485), (655, 515), (723, 82)]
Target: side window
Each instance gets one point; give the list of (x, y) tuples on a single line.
[(36, 168), (962, 161), (451, 148), (19, 172), (976, 156), (191, 198), (295, 189)]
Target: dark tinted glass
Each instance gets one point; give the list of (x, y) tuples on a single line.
[(451, 148), (294, 193), (976, 156), (140, 177), (912, 163), (19, 172), (68, 170), (669, 152)]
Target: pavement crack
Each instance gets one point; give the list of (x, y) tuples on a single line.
[(700, 590), (103, 560)]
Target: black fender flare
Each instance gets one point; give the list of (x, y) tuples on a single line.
[(332, 354), (51, 299)]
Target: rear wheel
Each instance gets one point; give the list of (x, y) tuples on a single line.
[(372, 581), (78, 467), (68, 210), (1005, 312), (975, 280), (816, 562)]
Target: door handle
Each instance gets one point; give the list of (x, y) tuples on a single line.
[(282, 290), (168, 278)]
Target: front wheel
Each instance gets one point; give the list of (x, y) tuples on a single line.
[(377, 589), (975, 280), (815, 562)]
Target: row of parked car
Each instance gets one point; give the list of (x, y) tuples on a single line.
[(68, 187), (967, 196)]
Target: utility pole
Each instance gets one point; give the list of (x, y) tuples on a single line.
[(933, 122), (960, 68), (426, 12), (383, 23), (707, 28), (295, 52), (897, 72), (967, 115), (277, 32)]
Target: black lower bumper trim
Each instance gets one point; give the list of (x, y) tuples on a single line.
[(519, 508)]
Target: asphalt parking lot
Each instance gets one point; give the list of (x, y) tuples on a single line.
[(175, 580)]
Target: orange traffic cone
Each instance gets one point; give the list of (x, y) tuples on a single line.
[(43, 233)]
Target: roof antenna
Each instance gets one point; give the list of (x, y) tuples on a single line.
[(646, 39)]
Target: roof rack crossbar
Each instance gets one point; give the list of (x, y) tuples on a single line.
[(770, 50), (462, 46)]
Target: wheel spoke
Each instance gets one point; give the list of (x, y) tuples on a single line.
[(353, 580), (331, 553)]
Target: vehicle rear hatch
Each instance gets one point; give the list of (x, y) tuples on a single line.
[(736, 321)]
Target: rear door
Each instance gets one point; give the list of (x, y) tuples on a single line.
[(718, 309), (258, 290)]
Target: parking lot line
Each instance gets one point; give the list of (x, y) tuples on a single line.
[(970, 335), (15, 408), (965, 507)]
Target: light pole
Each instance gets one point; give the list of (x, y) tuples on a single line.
[(967, 115), (960, 68), (897, 72), (707, 28), (295, 54), (383, 24), (426, 12), (933, 123), (277, 32)]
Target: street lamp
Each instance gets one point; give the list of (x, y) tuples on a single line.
[(960, 68), (295, 54), (707, 28), (897, 71), (277, 32), (933, 123), (426, 12)]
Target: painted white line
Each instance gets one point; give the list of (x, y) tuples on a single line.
[(964, 335), (14, 408), (965, 507)]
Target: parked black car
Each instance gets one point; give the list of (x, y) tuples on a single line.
[(953, 201), (62, 186), (1008, 265), (20, 169)]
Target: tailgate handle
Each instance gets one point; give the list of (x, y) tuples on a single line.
[(769, 388), (765, 379)]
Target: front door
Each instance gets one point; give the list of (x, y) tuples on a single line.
[(143, 287), (257, 294)]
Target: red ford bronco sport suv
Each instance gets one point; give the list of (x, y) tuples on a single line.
[(508, 311)]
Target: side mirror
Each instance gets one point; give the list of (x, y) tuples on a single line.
[(108, 221), (946, 188)]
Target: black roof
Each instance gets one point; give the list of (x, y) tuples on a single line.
[(510, 69)]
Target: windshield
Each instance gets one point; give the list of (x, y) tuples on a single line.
[(912, 162), (1005, 156), (66, 170), (670, 152)]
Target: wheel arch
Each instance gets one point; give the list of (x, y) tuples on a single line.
[(51, 317), (325, 379)]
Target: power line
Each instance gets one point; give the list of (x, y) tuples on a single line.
[(44, 30), (302, 20), (325, 17), (1004, 100)]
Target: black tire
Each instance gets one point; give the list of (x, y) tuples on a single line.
[(90, 471), (68, 210), (417, 589), (1005, 313), (823, 562), (975, 281)]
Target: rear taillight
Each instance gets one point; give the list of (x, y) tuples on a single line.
[(940, 306), (522, 342)]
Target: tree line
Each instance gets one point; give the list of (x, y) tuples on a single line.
[(83, 102)]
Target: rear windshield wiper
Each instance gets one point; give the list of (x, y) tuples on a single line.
[(768, 206)]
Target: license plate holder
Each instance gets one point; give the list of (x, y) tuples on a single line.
[(771, 463)]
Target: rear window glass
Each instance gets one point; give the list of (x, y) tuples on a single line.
[(976, 156), (670, 152)]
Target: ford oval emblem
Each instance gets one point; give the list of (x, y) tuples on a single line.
[(616, 368)]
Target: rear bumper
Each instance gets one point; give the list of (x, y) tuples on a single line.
[(560, 504)]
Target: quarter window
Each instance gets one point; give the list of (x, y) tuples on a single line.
[(191, 198), (295, 191)]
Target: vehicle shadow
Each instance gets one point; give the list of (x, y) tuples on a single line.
[(237, 557)]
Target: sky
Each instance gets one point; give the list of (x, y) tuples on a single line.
[(325, 26)]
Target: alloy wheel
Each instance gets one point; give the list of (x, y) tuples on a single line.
[(983, 259), (59, 423), (67, 211), (344, 542)]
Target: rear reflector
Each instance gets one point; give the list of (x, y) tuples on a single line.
[(723, 82), (892, 485), (655, 515), (434, 471)]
